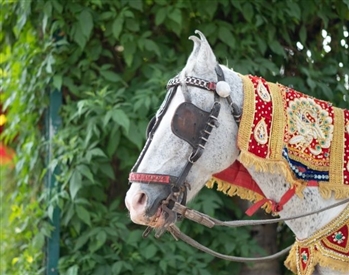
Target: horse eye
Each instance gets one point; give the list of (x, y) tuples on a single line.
[(150, 127)]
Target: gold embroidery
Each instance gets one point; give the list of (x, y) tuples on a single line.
[(337, 149)]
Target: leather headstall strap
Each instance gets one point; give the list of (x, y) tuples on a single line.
[(197, 148), (207, 123)]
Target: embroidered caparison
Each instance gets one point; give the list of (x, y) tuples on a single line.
[(328, 247), (305, 138)]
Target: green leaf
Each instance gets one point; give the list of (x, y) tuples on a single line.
[(107, 170), (134, 237), (47, 14), (75, 184), (117, 26), (101, 238), (226, 36), (346, 2), (276, 47), (39, 240), (81, 241), (121, 118), (106, 15), (111, 76), (83, 214), (132, 24), (176, 16), (248, 11), (136, 4), (293, 10), (95, 152), (160, 16), (86, 22), (303, 35), (129, 51), (262, 45), (57, 81), (117, 267), (151, 46), (57, 6), (85, 170), (163, 265), (113, 142), (150, 251), (136, 136), (79, 37), (73, 270), (107, 117)]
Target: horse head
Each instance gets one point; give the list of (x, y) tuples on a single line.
[(192, 136)]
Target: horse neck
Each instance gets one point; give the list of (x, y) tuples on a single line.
[(274, 187)]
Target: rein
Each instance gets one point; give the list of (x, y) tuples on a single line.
[(210, 222)]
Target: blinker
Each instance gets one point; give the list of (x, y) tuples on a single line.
[(188, 122)]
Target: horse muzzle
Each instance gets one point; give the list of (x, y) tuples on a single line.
[(144, 207)]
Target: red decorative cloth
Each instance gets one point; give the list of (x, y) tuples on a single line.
[(305, 139)]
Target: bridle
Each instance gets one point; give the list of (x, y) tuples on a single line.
[(195, 129)]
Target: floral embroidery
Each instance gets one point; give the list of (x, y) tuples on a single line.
[(338, 237), (310, 125)]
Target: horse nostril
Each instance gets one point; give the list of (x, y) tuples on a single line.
[(142, 199)]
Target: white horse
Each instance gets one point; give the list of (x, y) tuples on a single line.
[(165, 156)]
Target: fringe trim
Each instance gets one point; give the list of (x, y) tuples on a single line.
[(326, 189), (272, 166), (291, 260), (332, 263), (339, 191), (231, 190), (316, 258)]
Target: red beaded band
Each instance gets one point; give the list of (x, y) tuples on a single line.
[(151, 178)]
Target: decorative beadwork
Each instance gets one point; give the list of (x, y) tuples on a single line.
[(193, 81), (304, 257), (338, 237)]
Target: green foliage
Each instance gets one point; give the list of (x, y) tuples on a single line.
[(111, 60), (25, 69)]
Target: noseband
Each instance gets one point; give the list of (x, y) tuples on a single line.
[(189, 123)]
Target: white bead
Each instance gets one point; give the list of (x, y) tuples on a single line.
[(222, 89)]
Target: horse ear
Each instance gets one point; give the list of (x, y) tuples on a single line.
[(202, 59)]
